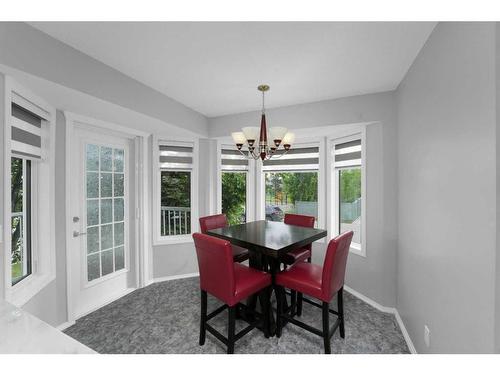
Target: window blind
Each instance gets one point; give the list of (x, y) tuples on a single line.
[(176, 156), (348, 154), (26, 132), (233, 160), (298, 158)]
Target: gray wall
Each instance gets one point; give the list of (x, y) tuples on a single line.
[(30, 50), (2, 124), (446, 140), (375, 275), (497, 283), (50, 304)]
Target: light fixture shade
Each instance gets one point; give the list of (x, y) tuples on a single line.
[(251, 132), (238, 138), (277, 133), (288, 139)]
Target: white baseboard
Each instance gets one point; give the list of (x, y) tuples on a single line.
[(362, 297), (176, 277), (63, 326), (385, 309), (406, 335)]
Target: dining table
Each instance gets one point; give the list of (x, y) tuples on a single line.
[(267, 243)]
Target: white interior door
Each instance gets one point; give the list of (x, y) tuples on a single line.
[(102, 251)]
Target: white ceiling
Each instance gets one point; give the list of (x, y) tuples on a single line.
[(215, 67)]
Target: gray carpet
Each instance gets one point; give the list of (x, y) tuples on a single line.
[(164, 318)]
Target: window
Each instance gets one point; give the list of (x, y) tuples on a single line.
[(29, 259), (175, 203), (349, 207), (176, 189), (21, 259), (234, 184), (234, 197), (291, 192), (291, 183)]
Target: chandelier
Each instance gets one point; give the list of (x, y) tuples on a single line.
[(279, 136)]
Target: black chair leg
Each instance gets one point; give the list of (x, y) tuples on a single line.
[(203, 317), (279, 302), (299, 304), (340, 302), (266, 312), (326, 327), (231, 329), (293, 303)]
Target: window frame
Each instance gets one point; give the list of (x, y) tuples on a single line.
[(42, 198), (333, 189), (158, 239), (261, 188), (250, 182)]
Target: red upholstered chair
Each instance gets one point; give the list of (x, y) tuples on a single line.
[(298, 255), (220, 221), (230, 282), (321, 283)]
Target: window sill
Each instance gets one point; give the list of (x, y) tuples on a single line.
[(357, 249), (170, 240), (26, 289)]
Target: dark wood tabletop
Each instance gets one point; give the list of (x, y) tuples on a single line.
[(270, 237)]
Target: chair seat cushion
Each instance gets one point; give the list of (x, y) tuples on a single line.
[(304, 278), (240, 254), (248, 281), (297, 255)]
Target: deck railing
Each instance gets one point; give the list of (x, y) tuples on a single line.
[(175, 220)]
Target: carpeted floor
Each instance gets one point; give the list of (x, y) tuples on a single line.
[(164, 318)]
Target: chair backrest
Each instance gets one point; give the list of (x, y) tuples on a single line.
[(215, 262), (301, 221), (335, 264), (212, 222)]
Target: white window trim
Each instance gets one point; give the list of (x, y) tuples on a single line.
[(332, 182), (184, 238), (260, 182), (43, 247), (250, 193)]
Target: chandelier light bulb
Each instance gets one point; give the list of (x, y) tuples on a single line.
[(239, 139), (251, 134)]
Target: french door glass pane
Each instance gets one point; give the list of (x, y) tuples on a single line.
[(105, 210), (291, 192), (350, 202), (234, 196)]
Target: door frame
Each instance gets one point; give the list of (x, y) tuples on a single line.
[(143, 255)]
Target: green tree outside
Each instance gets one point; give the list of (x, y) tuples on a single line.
[(234, 186)]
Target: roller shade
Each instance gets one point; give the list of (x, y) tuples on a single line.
[(348, 154), (26, 132), (298, 158), (176, 156), (233, 160)]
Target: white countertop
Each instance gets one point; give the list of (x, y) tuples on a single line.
[(21, 332)]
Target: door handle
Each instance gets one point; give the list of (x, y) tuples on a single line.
[(76, 233)]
